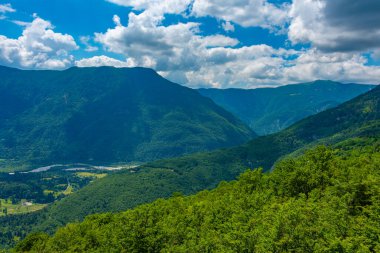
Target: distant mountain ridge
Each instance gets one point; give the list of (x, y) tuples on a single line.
[(106, 115), (269, 110)]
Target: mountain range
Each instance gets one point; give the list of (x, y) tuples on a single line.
[(269, 110), (324, 199), (357, 118), (104, 116)]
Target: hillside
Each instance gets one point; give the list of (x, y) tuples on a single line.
[(324, 201), (269, 110), (106, 115), (358, 118)]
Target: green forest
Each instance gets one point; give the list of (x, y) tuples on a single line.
[(103, 116), (327, 200)]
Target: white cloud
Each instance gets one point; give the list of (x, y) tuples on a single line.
[(102, 60), (252, 66), (306, 16), (176, 76), (228, 26), (243, 12), (260, 66), (85, 40), (156, 7), (38, 47), (344, 67), (181, 54), (178, 52), (246, 13), (6, 8), (147, 43), (219, 41), (336, 26), (20, 23)]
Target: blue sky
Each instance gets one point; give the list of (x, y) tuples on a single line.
[(199, 43)]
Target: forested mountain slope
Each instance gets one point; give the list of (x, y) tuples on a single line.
[(269, 110), (324, 201), (106, 115)]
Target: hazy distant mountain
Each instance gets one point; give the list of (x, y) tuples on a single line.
[(269, 110), (106, 115)]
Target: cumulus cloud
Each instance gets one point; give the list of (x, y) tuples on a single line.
[(246, 13), (150, 44), (38, 47), (345, 67), (243, 12), (98, 61), (339, 25), (219, 41), (180, 53), (252, 66), (262, 65)]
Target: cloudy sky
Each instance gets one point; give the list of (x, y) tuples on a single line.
[(199, 43)]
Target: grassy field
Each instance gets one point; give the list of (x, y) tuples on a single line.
[(69, 190), (7, 166), (6, 207), (91, 175)]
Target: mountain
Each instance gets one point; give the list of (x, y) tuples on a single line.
[(269, 110), (324, 201), (357, 118), (106, 115)]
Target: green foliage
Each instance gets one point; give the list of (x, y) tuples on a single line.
[(325, 201), (34, 241), (269, 110), (105, 115)]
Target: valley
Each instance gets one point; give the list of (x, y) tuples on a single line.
[(190, 126), (84, 116), (24, 192), (324, 200), (352, 125)]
